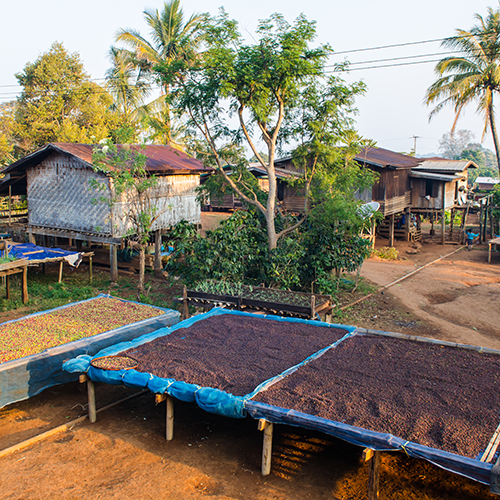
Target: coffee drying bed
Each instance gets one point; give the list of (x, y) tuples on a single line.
[(382, 391)]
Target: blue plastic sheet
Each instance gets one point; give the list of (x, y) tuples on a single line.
[(209, 399), (31, 251), (28, 376), (468, 467)]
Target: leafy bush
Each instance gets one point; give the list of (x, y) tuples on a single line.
[(237, 252)]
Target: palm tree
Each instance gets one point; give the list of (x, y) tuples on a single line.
[(173, 41), (475, 76), (125, 81)]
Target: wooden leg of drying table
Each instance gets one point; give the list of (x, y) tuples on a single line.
[(60, 271), (170, 418), (373, 480), (90, 269), (7, 287), (267, 446), (24, 285), (91, 398)]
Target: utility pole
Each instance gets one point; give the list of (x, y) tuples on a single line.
[(415, 137)]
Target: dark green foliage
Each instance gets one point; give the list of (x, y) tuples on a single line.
[(237, 252)]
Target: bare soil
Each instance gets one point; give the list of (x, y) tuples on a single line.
[(124, 454)]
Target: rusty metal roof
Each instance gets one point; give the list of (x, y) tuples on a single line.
[(383, 158), (160, 159)]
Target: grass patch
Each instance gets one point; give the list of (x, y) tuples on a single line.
[(46, 293), (387, 253)]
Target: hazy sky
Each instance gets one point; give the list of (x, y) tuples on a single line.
[(391, 113)]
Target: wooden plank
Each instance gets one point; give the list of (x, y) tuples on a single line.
[(76, 235), (492, 447), (14, 264)]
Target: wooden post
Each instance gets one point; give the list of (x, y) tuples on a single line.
[(313, 306), (408, 220), (113, 262), (452, 216), (7, 287), (373, 233), (492, 233), (158, 267), (485, 225), (91, 399), (391, 231), (90, 269), (373, 480), (443, 225), (24, 284), (60, 271), (481, 222), (267, 446), (32, 238), (170, 419), (10, 205), (185, 306)]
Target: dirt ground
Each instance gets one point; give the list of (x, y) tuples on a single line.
[(124, 454)]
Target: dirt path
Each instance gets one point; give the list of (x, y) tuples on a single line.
[(457, 295)]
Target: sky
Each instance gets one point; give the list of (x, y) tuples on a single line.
[(392, 112)]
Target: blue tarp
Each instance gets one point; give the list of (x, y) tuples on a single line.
[(26, 377), (209, 399), (31, 251)]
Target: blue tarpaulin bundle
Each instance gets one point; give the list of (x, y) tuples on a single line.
[(31, 251)]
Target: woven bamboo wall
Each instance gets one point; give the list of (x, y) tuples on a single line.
[(174, 197), (59, 196)]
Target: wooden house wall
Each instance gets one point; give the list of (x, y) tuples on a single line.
[(293, 199), (60, 197), (392, 190), (434, 189)]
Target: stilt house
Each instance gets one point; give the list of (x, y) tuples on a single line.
[(61, 202)]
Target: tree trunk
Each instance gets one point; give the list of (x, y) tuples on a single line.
[(494, 133), (271, 205), (142, 267)]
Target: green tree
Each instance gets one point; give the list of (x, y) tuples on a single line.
[(59, 103), (272, 87), (475, 76), (7, 133), (126, 83), (173, 43), (132, 187)]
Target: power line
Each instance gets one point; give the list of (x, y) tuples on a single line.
[(390, 46)]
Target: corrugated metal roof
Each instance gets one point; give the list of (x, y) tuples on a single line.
[(280, 172), (160, 159), (434, 176), (384, 158), (486, 180), (437, 165)]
